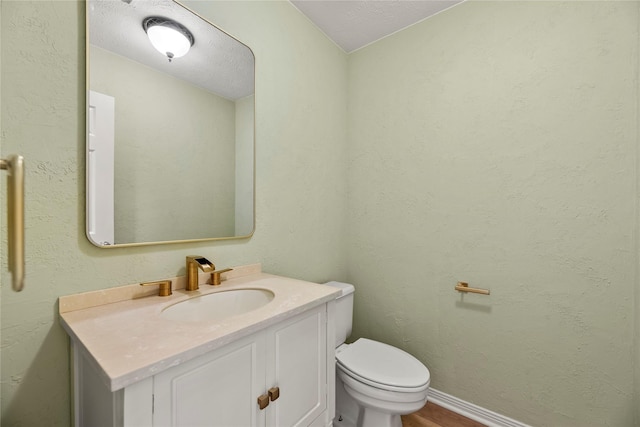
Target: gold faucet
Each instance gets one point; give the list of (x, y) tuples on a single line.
[(195, 262)]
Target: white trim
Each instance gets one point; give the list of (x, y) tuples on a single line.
[(469, 410)]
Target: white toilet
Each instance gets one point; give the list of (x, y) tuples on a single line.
[(375, 383)]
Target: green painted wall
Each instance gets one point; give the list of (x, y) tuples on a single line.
[(300, 196), (496, 143), (2, 214), (245, 117), (636, 317)]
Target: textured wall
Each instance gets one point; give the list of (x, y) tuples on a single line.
[(2, 217), (493, 143), (636, 317), (496, 143), (245, 119), (165, 129), (301, 138)]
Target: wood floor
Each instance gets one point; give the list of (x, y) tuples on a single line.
[(436, 416)]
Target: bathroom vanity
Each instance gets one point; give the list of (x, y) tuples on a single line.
[(270, 366)]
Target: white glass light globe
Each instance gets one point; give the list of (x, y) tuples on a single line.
[(168, 41)]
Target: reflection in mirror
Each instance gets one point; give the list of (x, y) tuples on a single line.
[(170, 133)]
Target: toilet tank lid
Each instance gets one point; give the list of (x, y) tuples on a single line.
[(345, 287)]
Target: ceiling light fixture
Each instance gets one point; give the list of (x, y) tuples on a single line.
[(170, 38)]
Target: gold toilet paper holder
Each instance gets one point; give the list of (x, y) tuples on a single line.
[(464, 287)]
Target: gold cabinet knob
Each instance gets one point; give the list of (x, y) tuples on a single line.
[(274, 393), (263, 401)]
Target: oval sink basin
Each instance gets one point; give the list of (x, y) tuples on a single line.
[(218, 306)]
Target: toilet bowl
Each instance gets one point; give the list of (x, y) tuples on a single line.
[(375, 383), (384, 381)]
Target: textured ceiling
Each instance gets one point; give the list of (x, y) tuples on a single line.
[(216, 62), (353, 24)]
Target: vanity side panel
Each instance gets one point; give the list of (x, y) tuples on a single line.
[(331, 364), (96, 405), (74, 369)]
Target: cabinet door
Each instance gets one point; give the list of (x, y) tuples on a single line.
[(297, 365), (217, 389)]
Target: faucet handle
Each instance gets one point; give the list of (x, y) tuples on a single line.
[(164, 287), (215, 276)]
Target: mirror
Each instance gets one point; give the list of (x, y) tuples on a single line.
[(170, 135)]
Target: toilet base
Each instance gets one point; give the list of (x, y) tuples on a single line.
[(366, 418), (355, 409), (347, 410), (371, 417)]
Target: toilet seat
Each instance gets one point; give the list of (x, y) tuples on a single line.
[(382, 366)]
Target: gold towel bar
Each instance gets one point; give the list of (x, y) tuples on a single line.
[(464, 287), (14, 164)]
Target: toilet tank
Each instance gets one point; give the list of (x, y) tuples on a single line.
[(344, 311)]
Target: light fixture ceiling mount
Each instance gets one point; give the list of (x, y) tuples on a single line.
[(169, 37)]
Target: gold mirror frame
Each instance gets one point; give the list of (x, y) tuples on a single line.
[(253, 154)]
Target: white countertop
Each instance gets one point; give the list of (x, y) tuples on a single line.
[(129, 340)]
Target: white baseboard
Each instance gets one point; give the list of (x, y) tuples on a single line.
[(469, 410)]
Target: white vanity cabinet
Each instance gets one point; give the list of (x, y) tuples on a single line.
[(222, 387)]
